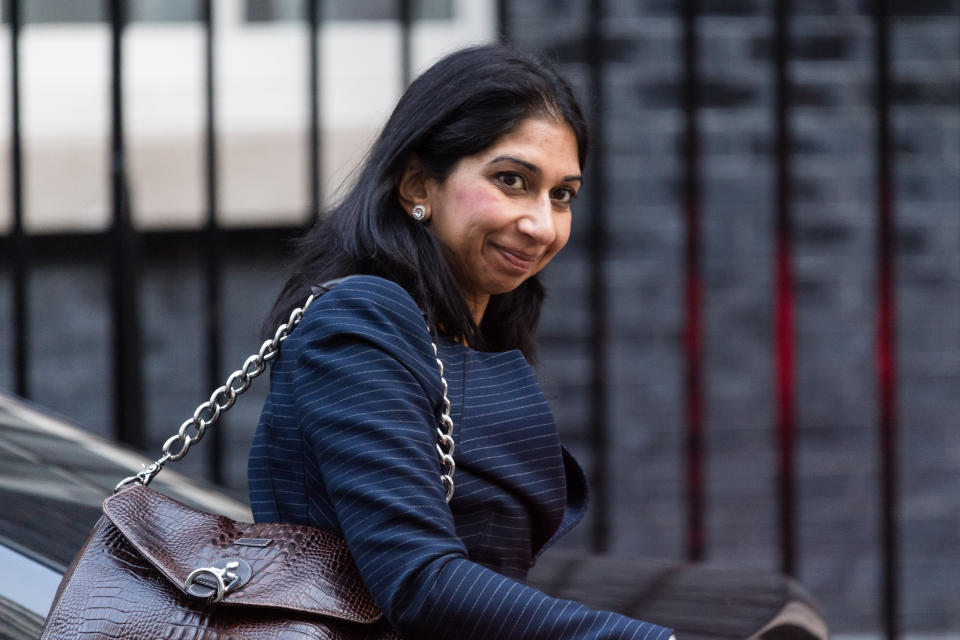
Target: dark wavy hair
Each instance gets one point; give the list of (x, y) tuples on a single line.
[(460, 106)]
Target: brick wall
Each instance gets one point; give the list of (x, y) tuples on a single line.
[(834, 208), (832, 120)]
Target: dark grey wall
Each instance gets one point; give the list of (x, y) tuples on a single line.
[(834, 214)]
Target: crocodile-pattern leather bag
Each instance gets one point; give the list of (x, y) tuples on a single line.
[(132, 579), (156, 568)]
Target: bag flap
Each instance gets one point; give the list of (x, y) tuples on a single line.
[(294, 567)]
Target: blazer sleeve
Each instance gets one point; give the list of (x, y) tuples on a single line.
[(367, 396)]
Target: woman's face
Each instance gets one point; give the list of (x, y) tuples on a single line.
[(505, 212)]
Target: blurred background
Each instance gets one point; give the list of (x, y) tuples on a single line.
[(752, 342)]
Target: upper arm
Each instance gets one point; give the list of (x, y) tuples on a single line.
[(367, 399), (366, 393)]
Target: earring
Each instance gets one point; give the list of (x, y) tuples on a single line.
[(419, 213)]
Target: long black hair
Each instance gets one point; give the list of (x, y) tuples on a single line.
[(460, 106)]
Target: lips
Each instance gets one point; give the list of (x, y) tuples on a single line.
[(520, 260)]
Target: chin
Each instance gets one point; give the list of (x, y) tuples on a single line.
[(507, 287), (502, 285)]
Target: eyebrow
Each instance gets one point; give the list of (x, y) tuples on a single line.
[(532, 167)]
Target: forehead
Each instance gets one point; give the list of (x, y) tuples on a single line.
[(546, 142)]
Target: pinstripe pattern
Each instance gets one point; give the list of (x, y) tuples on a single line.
[(347, 442)]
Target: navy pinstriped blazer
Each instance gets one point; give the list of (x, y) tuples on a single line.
[(347, 441)]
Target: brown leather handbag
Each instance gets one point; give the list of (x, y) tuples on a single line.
[(156, 568)]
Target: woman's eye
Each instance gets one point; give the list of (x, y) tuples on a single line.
[(511, 180), (564, 195)]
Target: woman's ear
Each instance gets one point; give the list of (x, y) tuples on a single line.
[(413, 188)]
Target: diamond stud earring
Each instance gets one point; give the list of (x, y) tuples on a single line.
[(419, 213)]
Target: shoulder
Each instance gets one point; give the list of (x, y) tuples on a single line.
[(370, 312), (373, 302), (370, 291)]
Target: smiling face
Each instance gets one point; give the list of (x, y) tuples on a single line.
[(504, 212)]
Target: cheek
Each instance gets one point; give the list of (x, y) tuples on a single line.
[(474, 203), (459, 214), (475, 206), (563, 233)]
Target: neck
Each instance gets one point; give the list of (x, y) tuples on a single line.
[(477, 307)]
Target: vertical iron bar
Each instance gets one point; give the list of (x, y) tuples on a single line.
[(406, 54), (886, 321), (314, 151), (18, 253), (128, 414), (503, 20), (598, 282), (784, 295), (693, 331), (210, 248)]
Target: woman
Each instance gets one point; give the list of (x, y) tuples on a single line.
[(464, 197)]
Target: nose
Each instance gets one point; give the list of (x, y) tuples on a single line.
[(537, 222)]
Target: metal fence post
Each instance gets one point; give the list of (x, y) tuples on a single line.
[(18, 253), (210, 247), (128, 424), (314, 152), (693, 298), (406, 53), (886, 322), (784, 344), (597, 249), (503, 20)]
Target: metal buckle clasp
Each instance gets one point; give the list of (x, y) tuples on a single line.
[(220, 578)]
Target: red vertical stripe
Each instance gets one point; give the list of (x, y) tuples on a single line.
[(693, 291), (886, 382), (886, 323), (784, 300), (693, 345), (786, 428)]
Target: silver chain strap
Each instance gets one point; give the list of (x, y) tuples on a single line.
[(445, 435), (240, 380)]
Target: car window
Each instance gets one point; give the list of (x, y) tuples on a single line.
[(26, 592), (18, 623)]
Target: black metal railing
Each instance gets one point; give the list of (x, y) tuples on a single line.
[(784, 338), (597, 244), (693, 287), (18, 254), (211, 252), (886, 320), (314, 156), (124, 264), (123, 239)]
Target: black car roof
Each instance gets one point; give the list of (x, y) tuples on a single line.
[(54, 477)]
